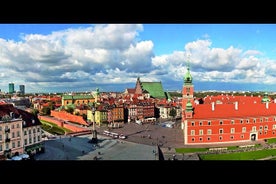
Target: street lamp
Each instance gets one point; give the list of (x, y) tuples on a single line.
[(94, 131)]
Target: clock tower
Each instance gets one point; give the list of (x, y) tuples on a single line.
[(187, 94)]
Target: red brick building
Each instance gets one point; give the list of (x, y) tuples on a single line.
[(228, 119)]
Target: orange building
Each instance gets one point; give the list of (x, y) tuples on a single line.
[(227, 119)]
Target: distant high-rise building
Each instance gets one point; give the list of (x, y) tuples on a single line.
[(11, 88), (22, 89)]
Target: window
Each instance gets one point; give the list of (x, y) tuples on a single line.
[(232, 130), (30, 140), (208, 138), (18, 144), (0, 137), (201, 132), (220, 122), (1, 149), (243, 129), (18, 134), (30, 131), (34, 139), (231, 137), (17, 125), (7, 146), (232, 122), (38, 138), (193, 139), (266, 119), (274, 118), (261, 119), (25, 132), (254, 120), (266, 127), (209, 131), (192, 132), (12, 126), (242, 136), (265, 132), (241, 121), (25, 142), (34, 131), (274, 126), (38, 129), (247, 121), (221, 131), (192, 123), (209, 122), (254, 128), (261, 128), (220, 138), (200, 139), (273, 132), (12, 134), (0, 128), (200, 123), (13, 144)]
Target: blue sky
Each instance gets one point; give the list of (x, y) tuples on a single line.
[(82, 57)]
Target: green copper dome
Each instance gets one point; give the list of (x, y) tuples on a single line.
[(188, 77), (265, 98), (189, 106)]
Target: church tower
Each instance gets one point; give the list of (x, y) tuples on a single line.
[(187, 94)]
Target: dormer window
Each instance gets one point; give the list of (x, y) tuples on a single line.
[(24, 123)]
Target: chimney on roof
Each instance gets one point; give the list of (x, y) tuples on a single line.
[(266, 105), (236, 105), (213, 106)]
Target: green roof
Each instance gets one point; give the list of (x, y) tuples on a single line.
[(155, 89), (189, 106), (76, 97), (188, 77), (265, 98)]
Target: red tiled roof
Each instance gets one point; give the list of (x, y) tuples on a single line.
[(6, 109), (231, 99), (204, 111), (130, 90)]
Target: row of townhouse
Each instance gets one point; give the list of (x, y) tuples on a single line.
[(142, 110), (20, 132)]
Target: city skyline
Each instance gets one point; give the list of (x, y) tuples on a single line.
[(83, 57)]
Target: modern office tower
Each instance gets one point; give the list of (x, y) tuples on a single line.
[(22, 89), (11, 88)]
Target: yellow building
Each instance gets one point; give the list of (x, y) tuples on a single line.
[(77, 99)]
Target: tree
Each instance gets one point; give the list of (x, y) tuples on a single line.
[(70, 110), (172, 112), (46, 110), (84, 116), (35, 112)]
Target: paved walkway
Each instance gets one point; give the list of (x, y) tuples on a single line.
[(79, 148)]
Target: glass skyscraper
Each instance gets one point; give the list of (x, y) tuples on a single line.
[(11, 88)]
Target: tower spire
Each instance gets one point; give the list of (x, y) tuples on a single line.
[(188, 61), (188, 77)]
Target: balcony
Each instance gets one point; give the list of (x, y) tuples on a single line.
[(7, 140), (7, 130)]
